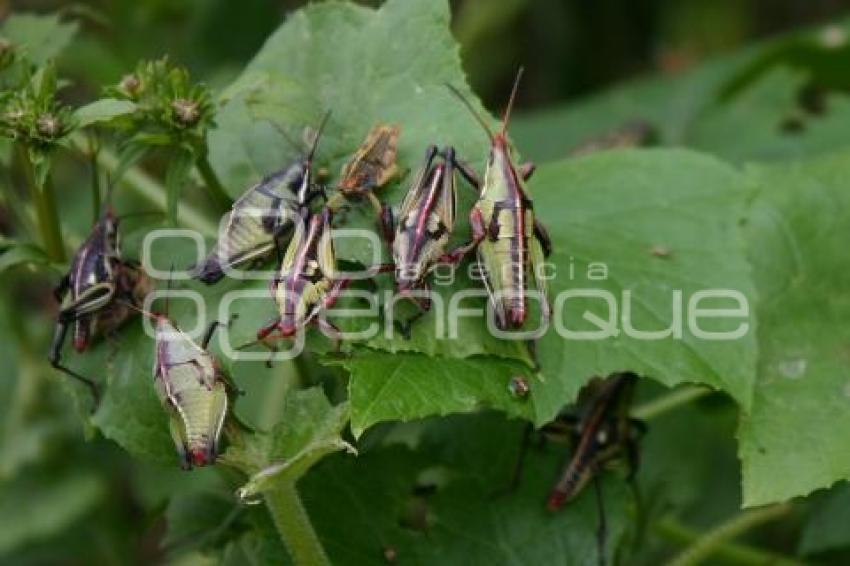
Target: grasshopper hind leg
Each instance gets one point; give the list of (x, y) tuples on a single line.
[(55, 360)]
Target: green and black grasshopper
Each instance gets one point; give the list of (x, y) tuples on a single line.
[(263, 218), (510, 242), (95, 292), (193, 389), (307, 282), (426, 220)]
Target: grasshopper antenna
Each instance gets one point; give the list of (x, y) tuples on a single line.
[(507, 115), (318, 135), (297, 147), (168, 288), (472, 110)]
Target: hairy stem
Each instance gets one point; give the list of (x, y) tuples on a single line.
[(45, 209), (215, 190), (294, 526), (665, 403), (717, 539)]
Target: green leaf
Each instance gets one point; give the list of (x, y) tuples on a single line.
[(662, 222), (364, 507), (102, 110), (23, 254), (130, 412), (309, 430), (32, 509), (42, 37), (764, 121), (409, 386), (790, 442)]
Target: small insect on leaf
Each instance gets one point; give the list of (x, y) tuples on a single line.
[(518, 387)]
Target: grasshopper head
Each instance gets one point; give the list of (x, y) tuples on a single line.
[(201, 457)]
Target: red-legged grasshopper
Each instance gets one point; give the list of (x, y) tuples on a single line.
[(425, 223), (510, 242), (307, 282), (94, 293), (262, 218), (372, 166), (193, 389)]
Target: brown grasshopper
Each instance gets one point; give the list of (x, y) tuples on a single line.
[(373, 165), (94, 293), (509, 240), (264, 216)]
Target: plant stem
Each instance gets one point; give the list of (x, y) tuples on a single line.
[(45, 209), (147, 187), (294, 526), (717, 539), (215, 190), (664, 403), (728, 551), (95, 181)]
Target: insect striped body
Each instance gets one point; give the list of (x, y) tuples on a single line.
[(603, 434), (263, 218), (510, 242), (306, 282), (192, 388), (94, 293), (426, 221)]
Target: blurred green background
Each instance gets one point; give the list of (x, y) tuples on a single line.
[(67, 500)]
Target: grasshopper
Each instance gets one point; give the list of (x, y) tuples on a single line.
[(193, 389), (509, 240), (373, 165), (425, 223), (94, 293), (602, 435), (307, 281), (262, 217)]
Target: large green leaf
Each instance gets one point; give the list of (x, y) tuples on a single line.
[(791, 442), (462, 514), (662, 221)]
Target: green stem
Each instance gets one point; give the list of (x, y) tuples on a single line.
[(294, 526), (734, 552), (45, 209), (717, 539), (147, 187), (660, 405), (215, 190), (95, 181)]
